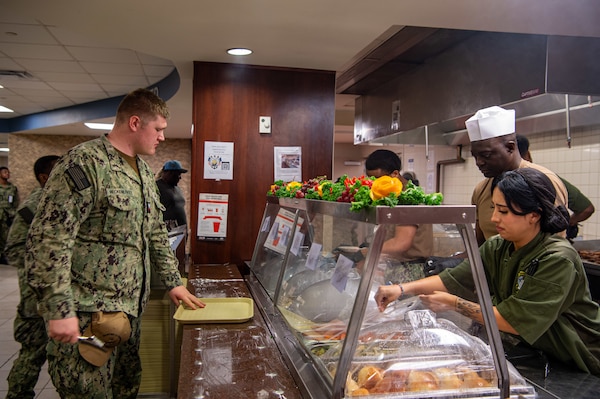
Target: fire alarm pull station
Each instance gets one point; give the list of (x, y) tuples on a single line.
[(264, 124)]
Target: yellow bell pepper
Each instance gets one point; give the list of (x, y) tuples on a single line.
[(384, 186), (292, 185)]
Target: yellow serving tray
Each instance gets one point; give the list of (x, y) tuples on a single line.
[(217, 310)]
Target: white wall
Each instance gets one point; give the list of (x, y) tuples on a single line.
[(579, 164)]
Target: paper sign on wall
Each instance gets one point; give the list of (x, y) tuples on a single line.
[(212, 216), (288, 163), (218, 160)]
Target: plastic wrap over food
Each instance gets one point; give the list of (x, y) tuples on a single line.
[(420, 354), (229, 363)]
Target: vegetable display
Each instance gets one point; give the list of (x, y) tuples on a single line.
[(361, 192)]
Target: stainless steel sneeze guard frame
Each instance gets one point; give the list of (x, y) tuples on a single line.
[(309, 375)]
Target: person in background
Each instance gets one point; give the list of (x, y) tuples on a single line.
[(494, 147), (97, 235), (9, 201), (579, 204), (409, 245), (29, 329), (537, 282), (411, 177), (170, 195)]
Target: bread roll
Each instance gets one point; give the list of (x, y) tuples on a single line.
[(472, 379), (360, 392), (448, 378), (422, 381), (369, 376), (389, 384)]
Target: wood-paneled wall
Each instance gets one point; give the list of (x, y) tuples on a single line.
[(228, 100)]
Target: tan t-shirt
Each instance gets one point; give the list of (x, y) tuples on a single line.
[(482, 197)]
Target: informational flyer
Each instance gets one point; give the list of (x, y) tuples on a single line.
[(288, 163), (218, 160), (212, 216), (281, 231)]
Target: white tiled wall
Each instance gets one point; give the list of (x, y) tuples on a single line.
[(579, 164)]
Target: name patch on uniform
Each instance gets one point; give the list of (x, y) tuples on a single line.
[(26, 214), (78, 177)]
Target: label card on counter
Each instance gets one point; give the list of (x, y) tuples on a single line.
[(340, 274), (298, 239), (313, 256), (265, 225)]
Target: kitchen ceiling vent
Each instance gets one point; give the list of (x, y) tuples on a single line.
[(437, 78)]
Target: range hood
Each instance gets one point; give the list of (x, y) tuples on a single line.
[(419, 85)]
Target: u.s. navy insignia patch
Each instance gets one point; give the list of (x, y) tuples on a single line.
[(520, 279), (78, 177)]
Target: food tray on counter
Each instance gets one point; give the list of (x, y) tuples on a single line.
[(217, 310)]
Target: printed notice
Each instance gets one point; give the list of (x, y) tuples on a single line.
[(288, 163), (281, 231), (212, 216), (218, 160)]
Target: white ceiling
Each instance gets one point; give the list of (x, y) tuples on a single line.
[(79, 51)]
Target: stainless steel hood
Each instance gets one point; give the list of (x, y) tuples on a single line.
[(419, 85)]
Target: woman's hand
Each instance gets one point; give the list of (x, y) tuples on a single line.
[(439, 301), (387, 294)]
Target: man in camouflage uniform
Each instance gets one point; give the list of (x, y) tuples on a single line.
[(29, 329), (96, 236), (9, 201)]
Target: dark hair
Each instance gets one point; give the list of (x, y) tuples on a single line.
[(44, 165), (144, 103), (3, 167), (412, 177), (522, 144), (532, 191), (386, 160)]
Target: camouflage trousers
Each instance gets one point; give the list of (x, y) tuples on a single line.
[(30, 332), (75, 378), (403, 272)]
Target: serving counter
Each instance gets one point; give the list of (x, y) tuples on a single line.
[(316, 332), (230, 360)]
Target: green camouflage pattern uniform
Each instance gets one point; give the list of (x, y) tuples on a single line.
[(29, 328), (9, 201), (97, 234)]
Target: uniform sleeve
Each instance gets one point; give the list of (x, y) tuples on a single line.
[(66, 202), (578, 202), (17, 235), (164, 262)]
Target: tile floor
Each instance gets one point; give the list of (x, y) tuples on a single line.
[(9, 298)]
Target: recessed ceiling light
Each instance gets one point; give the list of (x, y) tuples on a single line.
[(4, 109), (239, 51), (99, 126)]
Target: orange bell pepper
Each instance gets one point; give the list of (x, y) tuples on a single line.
[(384, 186)]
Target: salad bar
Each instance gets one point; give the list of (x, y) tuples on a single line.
[(318, 302)]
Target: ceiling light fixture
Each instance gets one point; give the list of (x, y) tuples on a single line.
[(4, 109), (4, 149), (99, 126), (239, 51)]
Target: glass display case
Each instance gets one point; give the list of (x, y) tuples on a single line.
[(315, 288)]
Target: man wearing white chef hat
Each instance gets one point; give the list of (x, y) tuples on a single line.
[(494, 147)]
